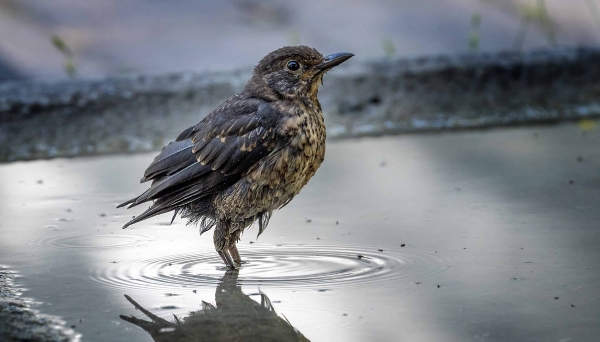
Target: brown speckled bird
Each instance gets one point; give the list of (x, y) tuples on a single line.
[(248, 157)]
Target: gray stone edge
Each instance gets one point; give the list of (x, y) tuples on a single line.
[(141, 113)]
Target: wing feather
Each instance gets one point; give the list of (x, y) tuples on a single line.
[(210, 156)]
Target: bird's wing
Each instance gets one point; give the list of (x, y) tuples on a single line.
[(209, 156)]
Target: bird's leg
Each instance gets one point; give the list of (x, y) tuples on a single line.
[(233, 240), (220, 240), (226, 259), (235, 254)]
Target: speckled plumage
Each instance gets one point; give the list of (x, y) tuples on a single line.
[(248, 157)]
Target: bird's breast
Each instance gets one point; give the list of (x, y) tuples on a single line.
[(276, 179), (300, 154)]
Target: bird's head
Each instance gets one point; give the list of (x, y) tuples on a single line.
[(292, 72)]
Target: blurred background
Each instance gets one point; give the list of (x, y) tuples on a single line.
[(96, 38)]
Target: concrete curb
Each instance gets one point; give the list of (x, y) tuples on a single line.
[(388, 96)]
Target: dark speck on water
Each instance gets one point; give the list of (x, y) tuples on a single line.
[(308, 220), (579, 159), (571, 182), (438, 286), (360, 256), (404, 245), (168, 307), (556, 298), (381, 250), (572, 305)]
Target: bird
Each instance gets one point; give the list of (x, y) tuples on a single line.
[(248, 157)]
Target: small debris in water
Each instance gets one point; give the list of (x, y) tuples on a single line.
[(81, 320), (251, 241), (381, 250), (383, 163), (417, 283), (322, 290), (73, 326), (571, 182), (318, 238), (113, 262), (345, 314), (102, 214), (170, 264), (337, 222), (438, 286), (404, 245), (308, 220), (69, 210), (556, 298), (194, 291), (572, 305), (579, 159), (40, 181), (360, 256)]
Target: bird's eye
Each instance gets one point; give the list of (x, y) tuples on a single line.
[(293, 65)]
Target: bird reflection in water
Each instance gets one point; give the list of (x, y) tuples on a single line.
[(234, 317)]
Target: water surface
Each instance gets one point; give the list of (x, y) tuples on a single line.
[(487, 235)]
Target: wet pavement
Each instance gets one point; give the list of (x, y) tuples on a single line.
[(481, 235)]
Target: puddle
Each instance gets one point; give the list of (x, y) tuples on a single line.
[(458, 237)]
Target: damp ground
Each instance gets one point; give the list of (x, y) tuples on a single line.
[(481, 235)]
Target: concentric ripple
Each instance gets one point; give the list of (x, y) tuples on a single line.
[(97, 241), (293, 266)]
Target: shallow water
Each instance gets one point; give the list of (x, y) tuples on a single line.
[(452, 237)]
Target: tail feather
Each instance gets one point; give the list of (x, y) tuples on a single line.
[(128, 202)]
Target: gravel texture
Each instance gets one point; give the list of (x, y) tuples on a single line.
[(18, 322)]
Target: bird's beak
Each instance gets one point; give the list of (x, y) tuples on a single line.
[(334, 60)]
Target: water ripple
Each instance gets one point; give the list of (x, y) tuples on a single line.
[(98, 241), (283, 266)]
